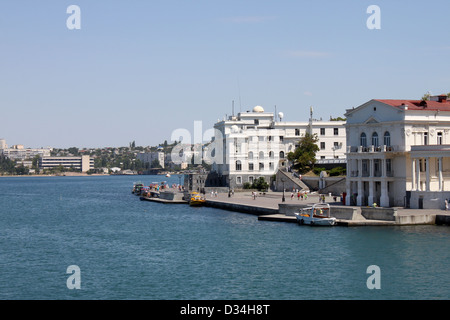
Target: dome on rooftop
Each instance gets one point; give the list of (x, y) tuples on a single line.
[(258, 109)]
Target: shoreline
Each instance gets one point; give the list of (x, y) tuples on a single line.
[(56, 175)]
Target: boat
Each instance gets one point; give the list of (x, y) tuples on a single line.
[(137, 186), (196, 199), (168, 175), (317, 215)]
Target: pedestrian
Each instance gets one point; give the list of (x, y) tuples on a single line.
[(292, 195), (298, 195)]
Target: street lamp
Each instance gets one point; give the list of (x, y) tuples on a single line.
[(283, 199)]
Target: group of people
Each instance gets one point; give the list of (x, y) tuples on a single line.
[(300, 195)]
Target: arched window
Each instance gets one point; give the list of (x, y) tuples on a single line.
[(261, 155), (238, 165), (250, 155), (387, 139), (363, 140), (375, 139), (271, 154), (281, 154)]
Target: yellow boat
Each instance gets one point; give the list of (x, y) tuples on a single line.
[(196, 199)]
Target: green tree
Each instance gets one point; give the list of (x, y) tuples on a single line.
[(304, 156), (260, 184)]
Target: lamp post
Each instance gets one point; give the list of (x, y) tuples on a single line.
[(283, 199)]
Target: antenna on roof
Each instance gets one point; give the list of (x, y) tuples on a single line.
[(239, 91)]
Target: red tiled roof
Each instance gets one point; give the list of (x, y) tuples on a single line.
[(418, 104)]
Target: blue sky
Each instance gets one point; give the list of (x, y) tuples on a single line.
[(138, 70)]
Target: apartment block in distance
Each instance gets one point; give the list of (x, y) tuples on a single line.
[(82, 163)]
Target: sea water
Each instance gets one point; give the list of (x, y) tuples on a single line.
[(125, 248)]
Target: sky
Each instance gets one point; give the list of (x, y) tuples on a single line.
[(138, 70)]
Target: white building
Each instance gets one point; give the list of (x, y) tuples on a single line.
[(149, 157), (19, 152), (83, 163), (398, 153), (255, 144)]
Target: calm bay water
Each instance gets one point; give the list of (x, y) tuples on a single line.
[(131, 249)]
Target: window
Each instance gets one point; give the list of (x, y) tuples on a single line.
[(271, 167), (439, 138), (425, 138), (388, 167), (238, 165), (271, 154), (336, 145), (261, 166), (238, 180), (250, 166), (256, 121), (281, 154), (297, 132), (281, 138), (387, 139), (322, 146), (363, 140), (250, 155), (270, 138), (336, 131), (322, 131), (261, 155), (375, 139), (250, 180)]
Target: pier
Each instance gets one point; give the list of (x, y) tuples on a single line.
[(271, 207)]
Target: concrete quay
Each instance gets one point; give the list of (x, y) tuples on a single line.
[(270, 207)]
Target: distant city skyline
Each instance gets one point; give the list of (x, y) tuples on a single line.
[(138, 71)]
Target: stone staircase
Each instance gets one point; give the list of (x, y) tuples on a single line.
[(296, 180)]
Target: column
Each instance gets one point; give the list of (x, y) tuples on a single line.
[(371, 199), (360, 193), (441, 185), (384, 198), (371, 168), (383, 167), (413, 174), (427, 180), (349, 193), (359, 167), (417, 174)]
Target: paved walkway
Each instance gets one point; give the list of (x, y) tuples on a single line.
[(272, 199)]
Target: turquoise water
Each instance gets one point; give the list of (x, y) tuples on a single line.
[(131, 249)]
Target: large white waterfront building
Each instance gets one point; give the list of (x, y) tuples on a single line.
[(255, 144), (398, 153)]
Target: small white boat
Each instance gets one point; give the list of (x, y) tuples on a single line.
[(317, 215), (168, 175)]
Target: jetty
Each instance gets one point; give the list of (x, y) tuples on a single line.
[(271, 207)]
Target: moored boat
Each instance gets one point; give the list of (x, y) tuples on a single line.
[(137, 186), (317, 215), (196, 199)]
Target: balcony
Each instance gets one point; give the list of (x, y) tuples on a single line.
[(373, 149)]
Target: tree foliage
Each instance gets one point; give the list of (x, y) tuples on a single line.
[(304, 156)]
